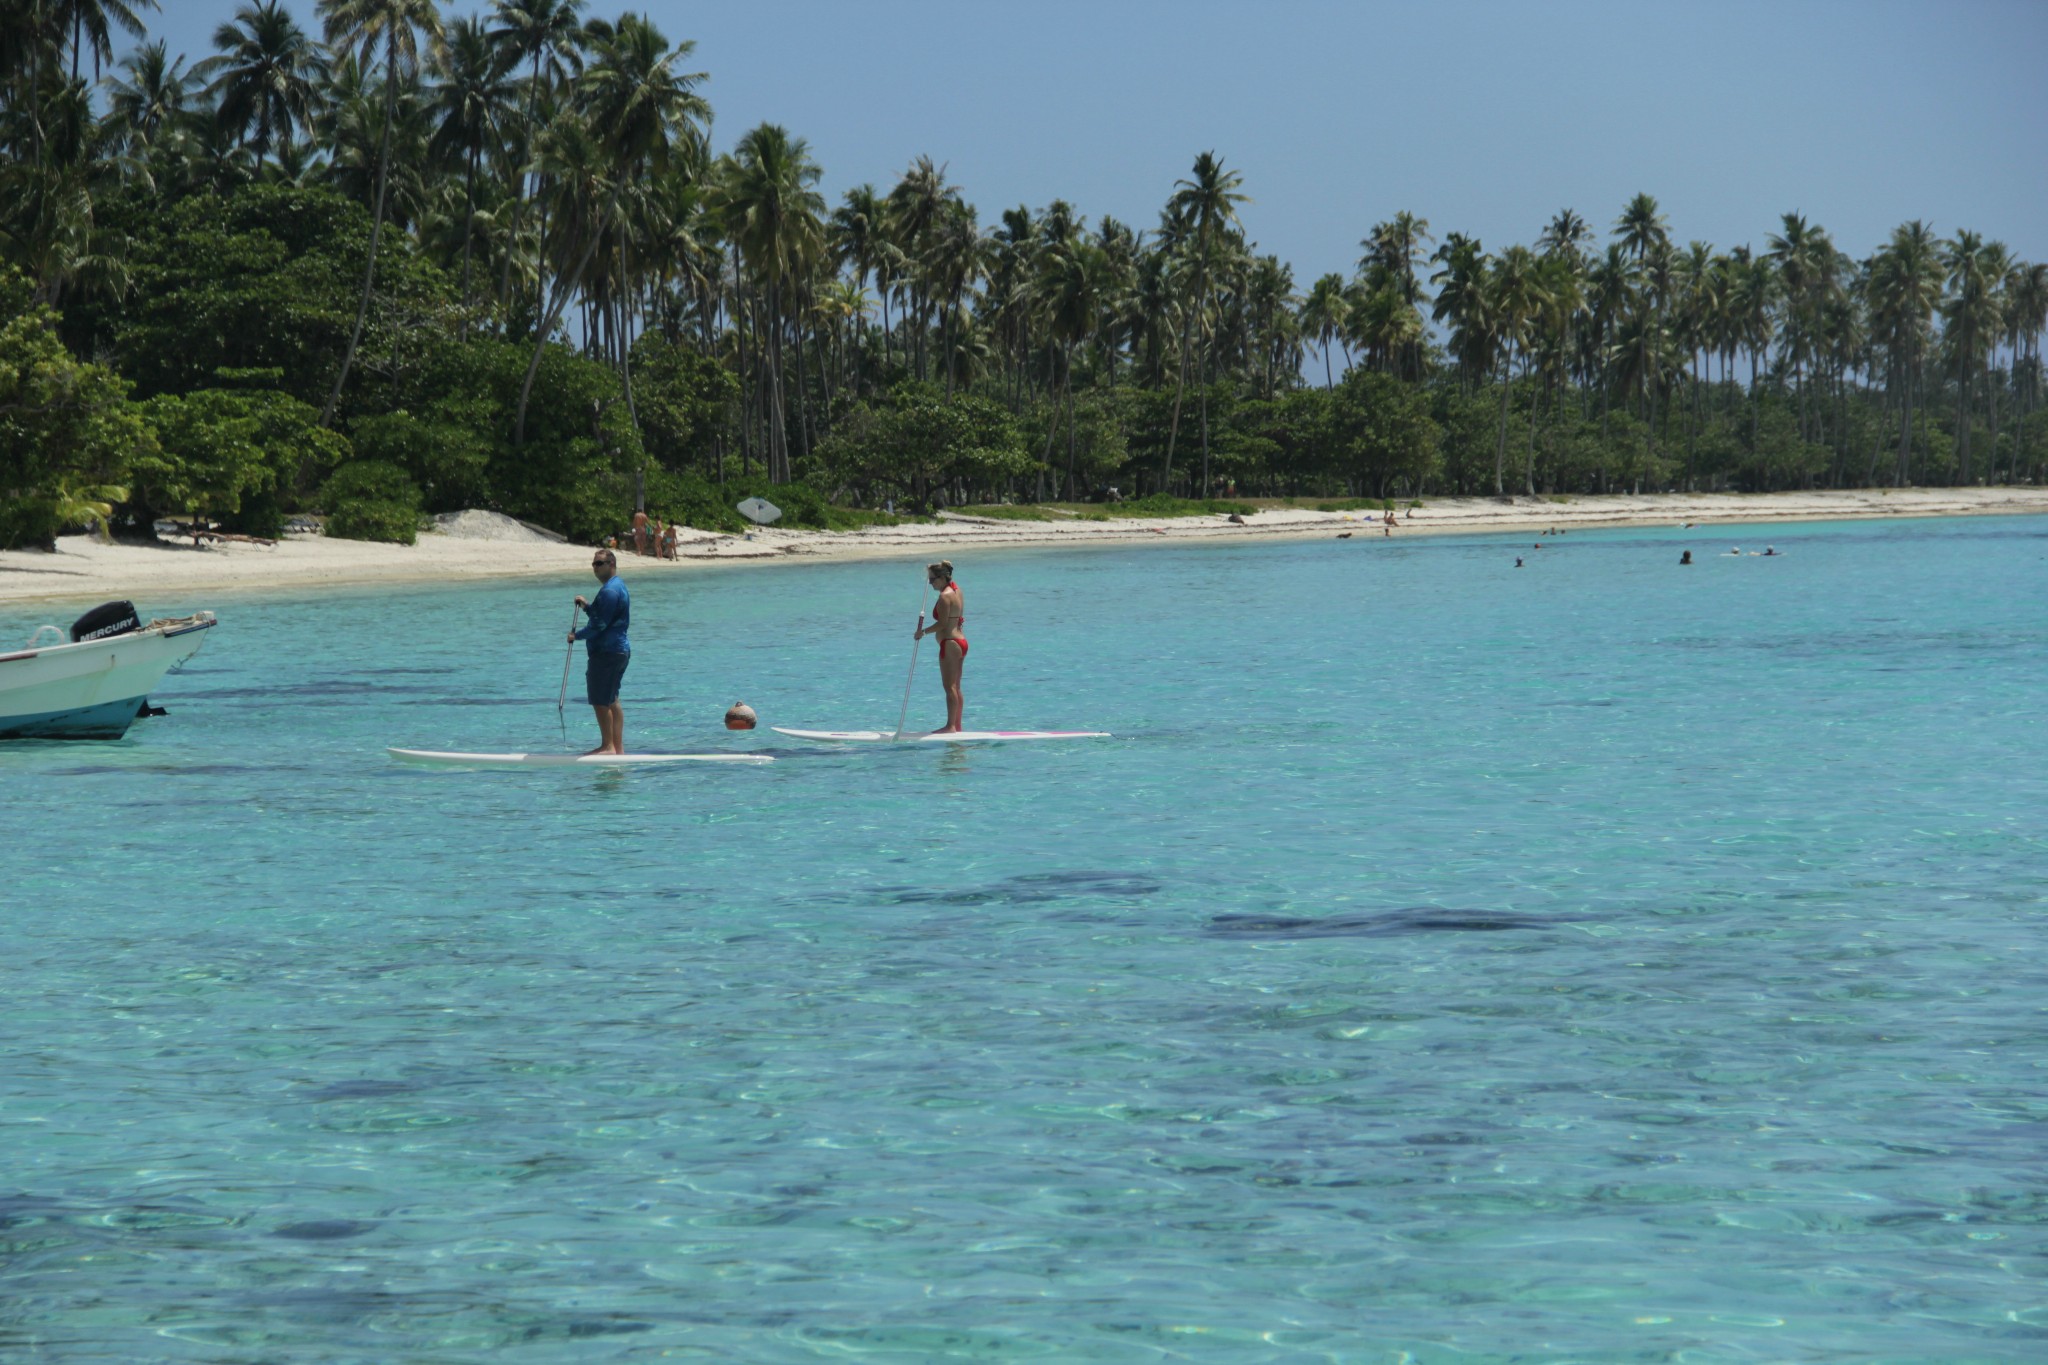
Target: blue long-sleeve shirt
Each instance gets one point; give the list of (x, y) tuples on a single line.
[(606, 618)]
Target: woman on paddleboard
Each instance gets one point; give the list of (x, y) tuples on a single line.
[(949, 614)]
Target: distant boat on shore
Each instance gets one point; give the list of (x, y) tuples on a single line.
[(94, 684)]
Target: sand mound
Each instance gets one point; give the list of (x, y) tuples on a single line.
[(476, 524)]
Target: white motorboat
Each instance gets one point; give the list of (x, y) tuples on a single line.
[(95, 683)]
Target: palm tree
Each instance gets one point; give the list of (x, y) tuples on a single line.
[(651, 121), (1752, 308), (956, 257), (1323, 316), (1970, 322), (546, 37), (1696, 315), (915, 207), (1804, 257), (773, 216), (855, 236), (149, 94), (265, 74), (47, 224), (1905, 292), (573, 163), (1118, 249), (351, 132), (1641, 229), (397, 26), (1384, 325), (1066, 293), (93, 23), (1567, 235), (1515, 291), (471, 104), (2026, 292), (1393, 251), (1207, 202), (1561, 307), (1465, 305)]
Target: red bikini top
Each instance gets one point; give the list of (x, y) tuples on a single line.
[(955, 584)]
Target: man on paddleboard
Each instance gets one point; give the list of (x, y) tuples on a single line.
[(604, 639), (949, 614)]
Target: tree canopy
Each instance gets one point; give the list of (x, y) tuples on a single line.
[(497, 261)]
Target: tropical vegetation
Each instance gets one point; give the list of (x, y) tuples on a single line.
[(410, 263)]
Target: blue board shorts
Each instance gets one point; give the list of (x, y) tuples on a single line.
[(601, 677)]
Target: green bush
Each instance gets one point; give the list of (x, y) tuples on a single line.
[(1162, 505), (689, 500), (236, 456), (372, 500), (448, 459), (69, 437), (696, 501)]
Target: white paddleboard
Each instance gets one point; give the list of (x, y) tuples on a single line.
[(923, 737), (446, 760)]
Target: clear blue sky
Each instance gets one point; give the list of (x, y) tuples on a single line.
[(1482, 117)]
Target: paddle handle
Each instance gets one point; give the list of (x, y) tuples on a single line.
[(915, 641)]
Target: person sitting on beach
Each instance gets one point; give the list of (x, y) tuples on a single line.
[(665, 543), (607, 650), (949, 614)]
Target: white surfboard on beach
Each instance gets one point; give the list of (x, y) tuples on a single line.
[(932, 737), (438, 759)]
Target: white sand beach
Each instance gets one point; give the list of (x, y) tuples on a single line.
[(485, 546)]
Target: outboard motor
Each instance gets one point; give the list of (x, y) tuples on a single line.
[(106, 619)]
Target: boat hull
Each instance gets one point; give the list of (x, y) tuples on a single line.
[(93, 689)]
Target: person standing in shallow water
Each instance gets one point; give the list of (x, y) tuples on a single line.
[(608, 652), (949, 615)]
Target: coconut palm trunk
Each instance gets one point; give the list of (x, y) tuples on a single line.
[(563, 290), (1500, 454), (355, 336)]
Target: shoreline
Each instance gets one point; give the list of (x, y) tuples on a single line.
[(82, 568)]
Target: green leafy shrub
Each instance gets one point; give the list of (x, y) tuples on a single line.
[(68, 434), (236, 456), (694, 500), (446, 453), (372, 500), (1161, 505)]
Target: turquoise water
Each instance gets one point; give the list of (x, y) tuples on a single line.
[(1600, 961)]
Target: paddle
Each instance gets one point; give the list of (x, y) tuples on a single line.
[(915, 641), (562, 702)]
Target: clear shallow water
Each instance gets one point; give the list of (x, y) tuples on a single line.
[(1597, 961)]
